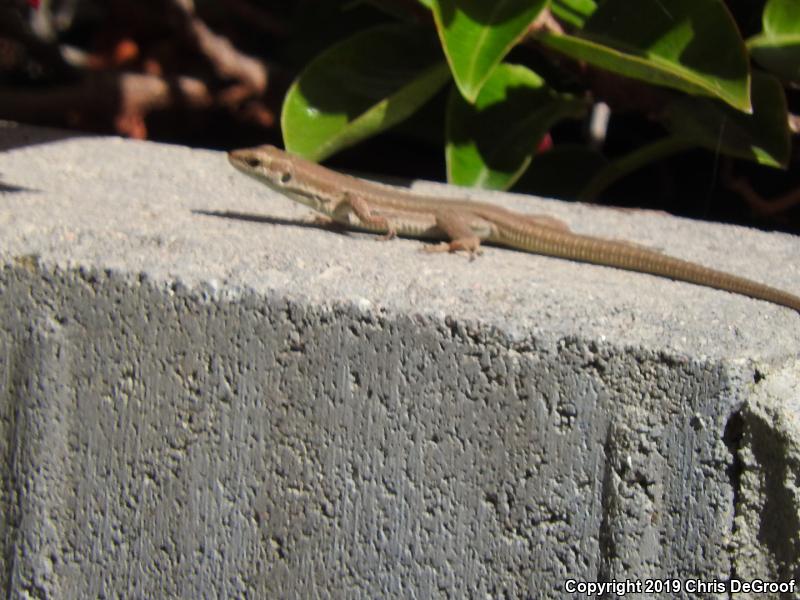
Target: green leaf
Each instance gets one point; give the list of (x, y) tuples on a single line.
[(782, 17), (763, 136), (477, 34), (688, 45), (574, 12), (490, 143), (360, 87), (777, 47), (427, 3)]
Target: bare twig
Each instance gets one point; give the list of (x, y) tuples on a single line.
[(546, 22), (14, 27), (227, 61), (125, 98), (758, 204)]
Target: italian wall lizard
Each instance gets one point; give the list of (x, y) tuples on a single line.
[(378, 208)]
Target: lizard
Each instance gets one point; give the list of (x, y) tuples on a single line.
[(378, 208)]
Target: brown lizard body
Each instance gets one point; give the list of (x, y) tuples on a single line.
[(393, 211)]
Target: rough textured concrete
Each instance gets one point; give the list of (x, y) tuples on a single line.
[(201, 396)]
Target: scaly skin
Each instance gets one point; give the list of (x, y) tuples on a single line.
[(369, 206)]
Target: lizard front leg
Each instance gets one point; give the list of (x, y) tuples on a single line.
[(360, 208)]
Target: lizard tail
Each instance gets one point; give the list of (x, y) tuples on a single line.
[(630, 257)]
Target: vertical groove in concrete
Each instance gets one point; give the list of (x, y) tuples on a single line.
[(38, 411)]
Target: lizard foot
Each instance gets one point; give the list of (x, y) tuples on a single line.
[(471, 245)]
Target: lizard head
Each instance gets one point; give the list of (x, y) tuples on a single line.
[(288, 174), (268, 164)]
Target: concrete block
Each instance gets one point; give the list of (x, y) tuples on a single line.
[(204, 395)]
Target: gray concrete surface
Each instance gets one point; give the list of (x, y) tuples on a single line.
[(204, 396)]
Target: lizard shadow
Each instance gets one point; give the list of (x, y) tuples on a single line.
[(7, 187), (240, 216)]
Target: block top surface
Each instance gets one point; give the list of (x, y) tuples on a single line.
[(176, 213)]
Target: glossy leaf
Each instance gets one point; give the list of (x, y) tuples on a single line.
[(360, 87), (782, 17), (491, 143), (574, 12), (477, 34), (763, 136), (777, 48), (689, 45)]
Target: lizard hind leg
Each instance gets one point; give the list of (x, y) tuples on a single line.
[(461, 235)]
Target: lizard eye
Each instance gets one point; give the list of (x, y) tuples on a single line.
[(252, 162), (286, 177)]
